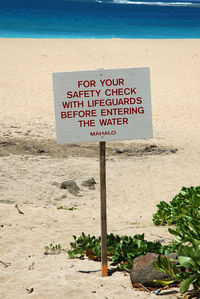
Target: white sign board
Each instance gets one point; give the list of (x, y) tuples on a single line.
[(102, 105)]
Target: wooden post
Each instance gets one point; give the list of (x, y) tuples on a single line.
[(104, 263)]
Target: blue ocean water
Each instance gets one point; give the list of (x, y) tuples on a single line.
[(99, 19)]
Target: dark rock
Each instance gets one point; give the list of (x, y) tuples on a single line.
[(120, 151), (41, 151), (71, 186), (173, 150), (150, 148), (29, 291), (90, 183), (143, 271)]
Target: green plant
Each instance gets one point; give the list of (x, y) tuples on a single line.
[(61, 208), (184, 211), (185, 203), (83, 244), (72, 209), (64, 208), (52, 249), (187, 230), (186, 271), (121, 250)]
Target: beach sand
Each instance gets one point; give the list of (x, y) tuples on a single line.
[(32, 166)]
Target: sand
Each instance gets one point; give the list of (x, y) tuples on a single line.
[(32, 166)]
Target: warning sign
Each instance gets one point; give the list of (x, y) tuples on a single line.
[(102, 105)]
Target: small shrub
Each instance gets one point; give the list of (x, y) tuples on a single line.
[(185, 203), (186, 271), (52, 249)]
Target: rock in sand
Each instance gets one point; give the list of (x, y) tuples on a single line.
[(71, 186)]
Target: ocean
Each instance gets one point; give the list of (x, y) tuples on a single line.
[(99, 19)]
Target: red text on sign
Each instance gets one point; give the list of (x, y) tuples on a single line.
[(114, 102), (83, 93), (81, 113), (87, 123), (113, 121), (103, 133), (120, 91), (122, 111), (86, 83), (114, 82), (73, 104)]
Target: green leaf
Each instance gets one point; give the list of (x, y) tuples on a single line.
[(186, 261), (186, 283), (165, 282), (173, 232)]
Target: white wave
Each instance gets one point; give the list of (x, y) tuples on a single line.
[(156, 3)]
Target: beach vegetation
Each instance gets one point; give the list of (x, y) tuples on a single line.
[(61, 208), (186, 270), (52, 249), (121, 250), (184, 212), (72, 208), (185, 203), (64, 208)]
